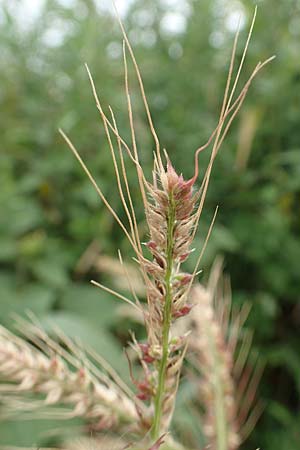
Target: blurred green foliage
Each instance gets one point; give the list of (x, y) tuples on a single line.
[(50, 213)]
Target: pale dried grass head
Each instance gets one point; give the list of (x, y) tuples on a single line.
[(38, 374), (226, 375), (101, 443)]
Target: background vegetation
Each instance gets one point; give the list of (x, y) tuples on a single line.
[(50, 214)]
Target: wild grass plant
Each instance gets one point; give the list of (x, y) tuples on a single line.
[(183, 320)]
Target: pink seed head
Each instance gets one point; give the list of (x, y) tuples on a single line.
[(146, 355), (184, 256), (182, 311), (184, 279), (182, 188), (158, 443), (151, 245)]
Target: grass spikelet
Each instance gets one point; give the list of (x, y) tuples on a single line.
[(39, 366), (220, 354)]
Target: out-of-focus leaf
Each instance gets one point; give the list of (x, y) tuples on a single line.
[(32, 297), (36, 433), (51, 272), (92, 303), (82, 330)]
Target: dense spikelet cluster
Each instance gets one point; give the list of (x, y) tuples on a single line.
[(26, 369), (171, 217)]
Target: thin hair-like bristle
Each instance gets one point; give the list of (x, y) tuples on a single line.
[(142, 89), (131, 215), (98, 190), (131, 123), (115, 294)]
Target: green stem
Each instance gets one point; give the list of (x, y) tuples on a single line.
[(167, 316)]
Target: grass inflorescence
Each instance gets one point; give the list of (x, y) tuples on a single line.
[(39, 374)]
